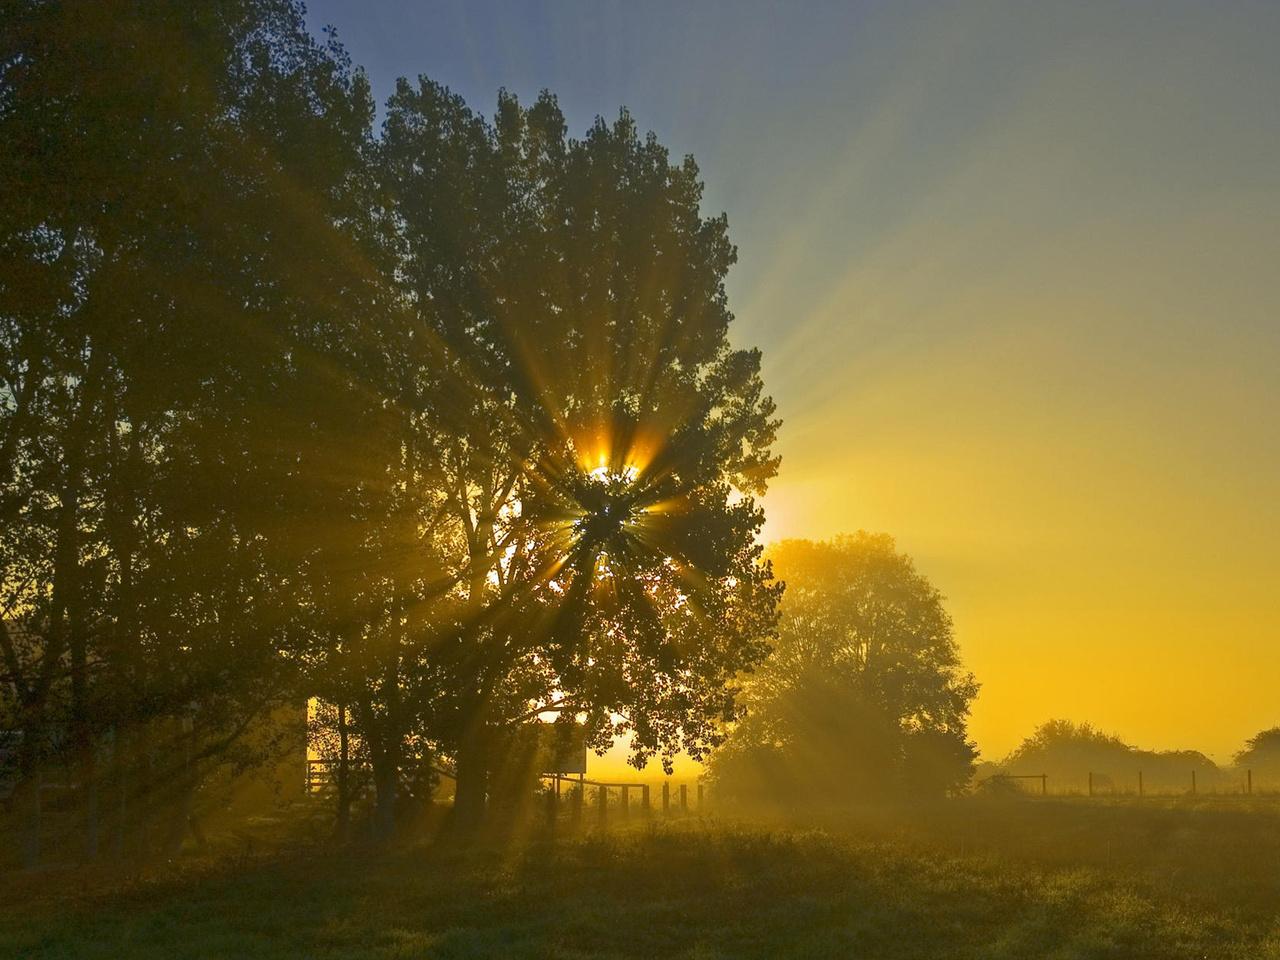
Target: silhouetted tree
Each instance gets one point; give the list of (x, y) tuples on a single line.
[(443, 428), (179, 270), (863, 694), (1261, 751), (600, 441), (1261, 754)]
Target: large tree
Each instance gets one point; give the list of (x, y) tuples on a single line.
[(183, 283), (444, 428), (864, 693), (600, 441)]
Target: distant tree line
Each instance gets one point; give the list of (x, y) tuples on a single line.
[(1070, 753), (439, 424)]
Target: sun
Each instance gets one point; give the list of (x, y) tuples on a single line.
[(604, 473)]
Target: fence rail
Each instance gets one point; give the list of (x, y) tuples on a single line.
[(560, 790), (1099, 784), (619, 794)]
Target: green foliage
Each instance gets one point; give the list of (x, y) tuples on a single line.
[(863, 694)]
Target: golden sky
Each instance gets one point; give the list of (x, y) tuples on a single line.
[(1052, 370), (1015, 271)]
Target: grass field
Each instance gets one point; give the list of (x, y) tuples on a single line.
[(981, 879)]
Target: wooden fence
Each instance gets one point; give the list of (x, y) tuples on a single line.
[(561, 792), (619, 796)]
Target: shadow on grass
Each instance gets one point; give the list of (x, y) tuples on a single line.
[(698, 889)]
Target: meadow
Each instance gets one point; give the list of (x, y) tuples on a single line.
[(979, 877)]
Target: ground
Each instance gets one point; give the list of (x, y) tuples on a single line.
[(980, 879)]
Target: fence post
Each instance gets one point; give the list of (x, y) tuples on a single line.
[(1044, 784), (1091, 783), (626, 802), (1249, 781), (644, 798), (684, 798), (666, 797), (1193, 783), (552, 798), (1139, 783), (699, 796)]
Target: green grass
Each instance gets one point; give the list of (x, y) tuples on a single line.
[(983, 880)]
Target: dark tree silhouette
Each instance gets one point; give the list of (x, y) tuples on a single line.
[(180, 270), (599, 440), (442, 427), (1261, 754)]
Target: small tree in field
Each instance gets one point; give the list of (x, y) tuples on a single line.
[(864, 693), (1261, 754)]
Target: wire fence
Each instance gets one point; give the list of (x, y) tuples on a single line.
[(1137, 784)]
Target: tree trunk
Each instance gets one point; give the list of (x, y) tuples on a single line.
[(185, 782), (27, 796), (144, 791), (120, 780), (386, 775), (472, 788), (344, 777), (86, 772), (88, 776), (128, 674)]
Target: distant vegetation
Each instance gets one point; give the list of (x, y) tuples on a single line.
[(1261, 754), (1069, 752)]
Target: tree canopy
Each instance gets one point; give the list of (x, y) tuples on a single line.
[(863, 694), (180, 269), (442, 426), (1262, 753)]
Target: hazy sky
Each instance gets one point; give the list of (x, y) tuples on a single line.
[(1016, 277)]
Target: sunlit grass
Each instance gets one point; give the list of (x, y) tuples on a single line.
[(974, 880)]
